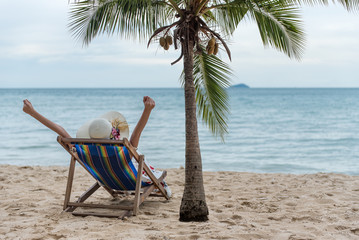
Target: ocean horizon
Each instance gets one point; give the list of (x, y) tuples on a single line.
[(282, 130)]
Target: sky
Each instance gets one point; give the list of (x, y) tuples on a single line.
[(38, 51)]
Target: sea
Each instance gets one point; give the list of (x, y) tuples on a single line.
[(284, 130)]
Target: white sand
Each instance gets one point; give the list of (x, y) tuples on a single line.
[(242, 206)]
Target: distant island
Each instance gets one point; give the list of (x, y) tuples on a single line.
[(241, 85)]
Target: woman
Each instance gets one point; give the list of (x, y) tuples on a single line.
[(149, 104)]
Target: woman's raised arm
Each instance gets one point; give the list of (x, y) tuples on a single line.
[(29, 109), (136, 134)]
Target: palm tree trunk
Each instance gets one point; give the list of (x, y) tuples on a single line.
[(193, 205)]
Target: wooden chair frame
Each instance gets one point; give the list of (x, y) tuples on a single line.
[(140, 194)]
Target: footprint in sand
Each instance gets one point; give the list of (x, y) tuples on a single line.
[(355, 231), (228, 221), (236, 217)]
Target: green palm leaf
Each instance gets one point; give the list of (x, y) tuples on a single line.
[(228, 16), (211, 79), (278, 22), (350, 5), (279, 25), (129, 18)]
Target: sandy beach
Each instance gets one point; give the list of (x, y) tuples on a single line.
[(242, 206)]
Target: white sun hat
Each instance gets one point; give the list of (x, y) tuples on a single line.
[(100, 128), (110, 125)]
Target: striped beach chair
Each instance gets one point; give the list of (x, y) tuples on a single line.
[(109, 163)]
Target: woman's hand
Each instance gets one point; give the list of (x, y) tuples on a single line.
[(148, 102), (28, 108), (136, 134)]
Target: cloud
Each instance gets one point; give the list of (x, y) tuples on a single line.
[(113, 59), (35, 34), (29, 51)]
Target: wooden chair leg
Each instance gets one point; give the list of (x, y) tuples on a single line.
[(89, 192), (149, 190), (138, 186), (70, 179), (84, 196)]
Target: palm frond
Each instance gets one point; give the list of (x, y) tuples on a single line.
[(350, 5), (278, 22), (228, 16), (129, 18), (279, 25), (211, 79)]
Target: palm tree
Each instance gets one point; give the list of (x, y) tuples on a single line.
[(198, 28)]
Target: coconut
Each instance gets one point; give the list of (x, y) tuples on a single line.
[(210, 50), (169, 40), (215, 51), (212, 42), (208, 47), (162, 41), (166, 46)]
